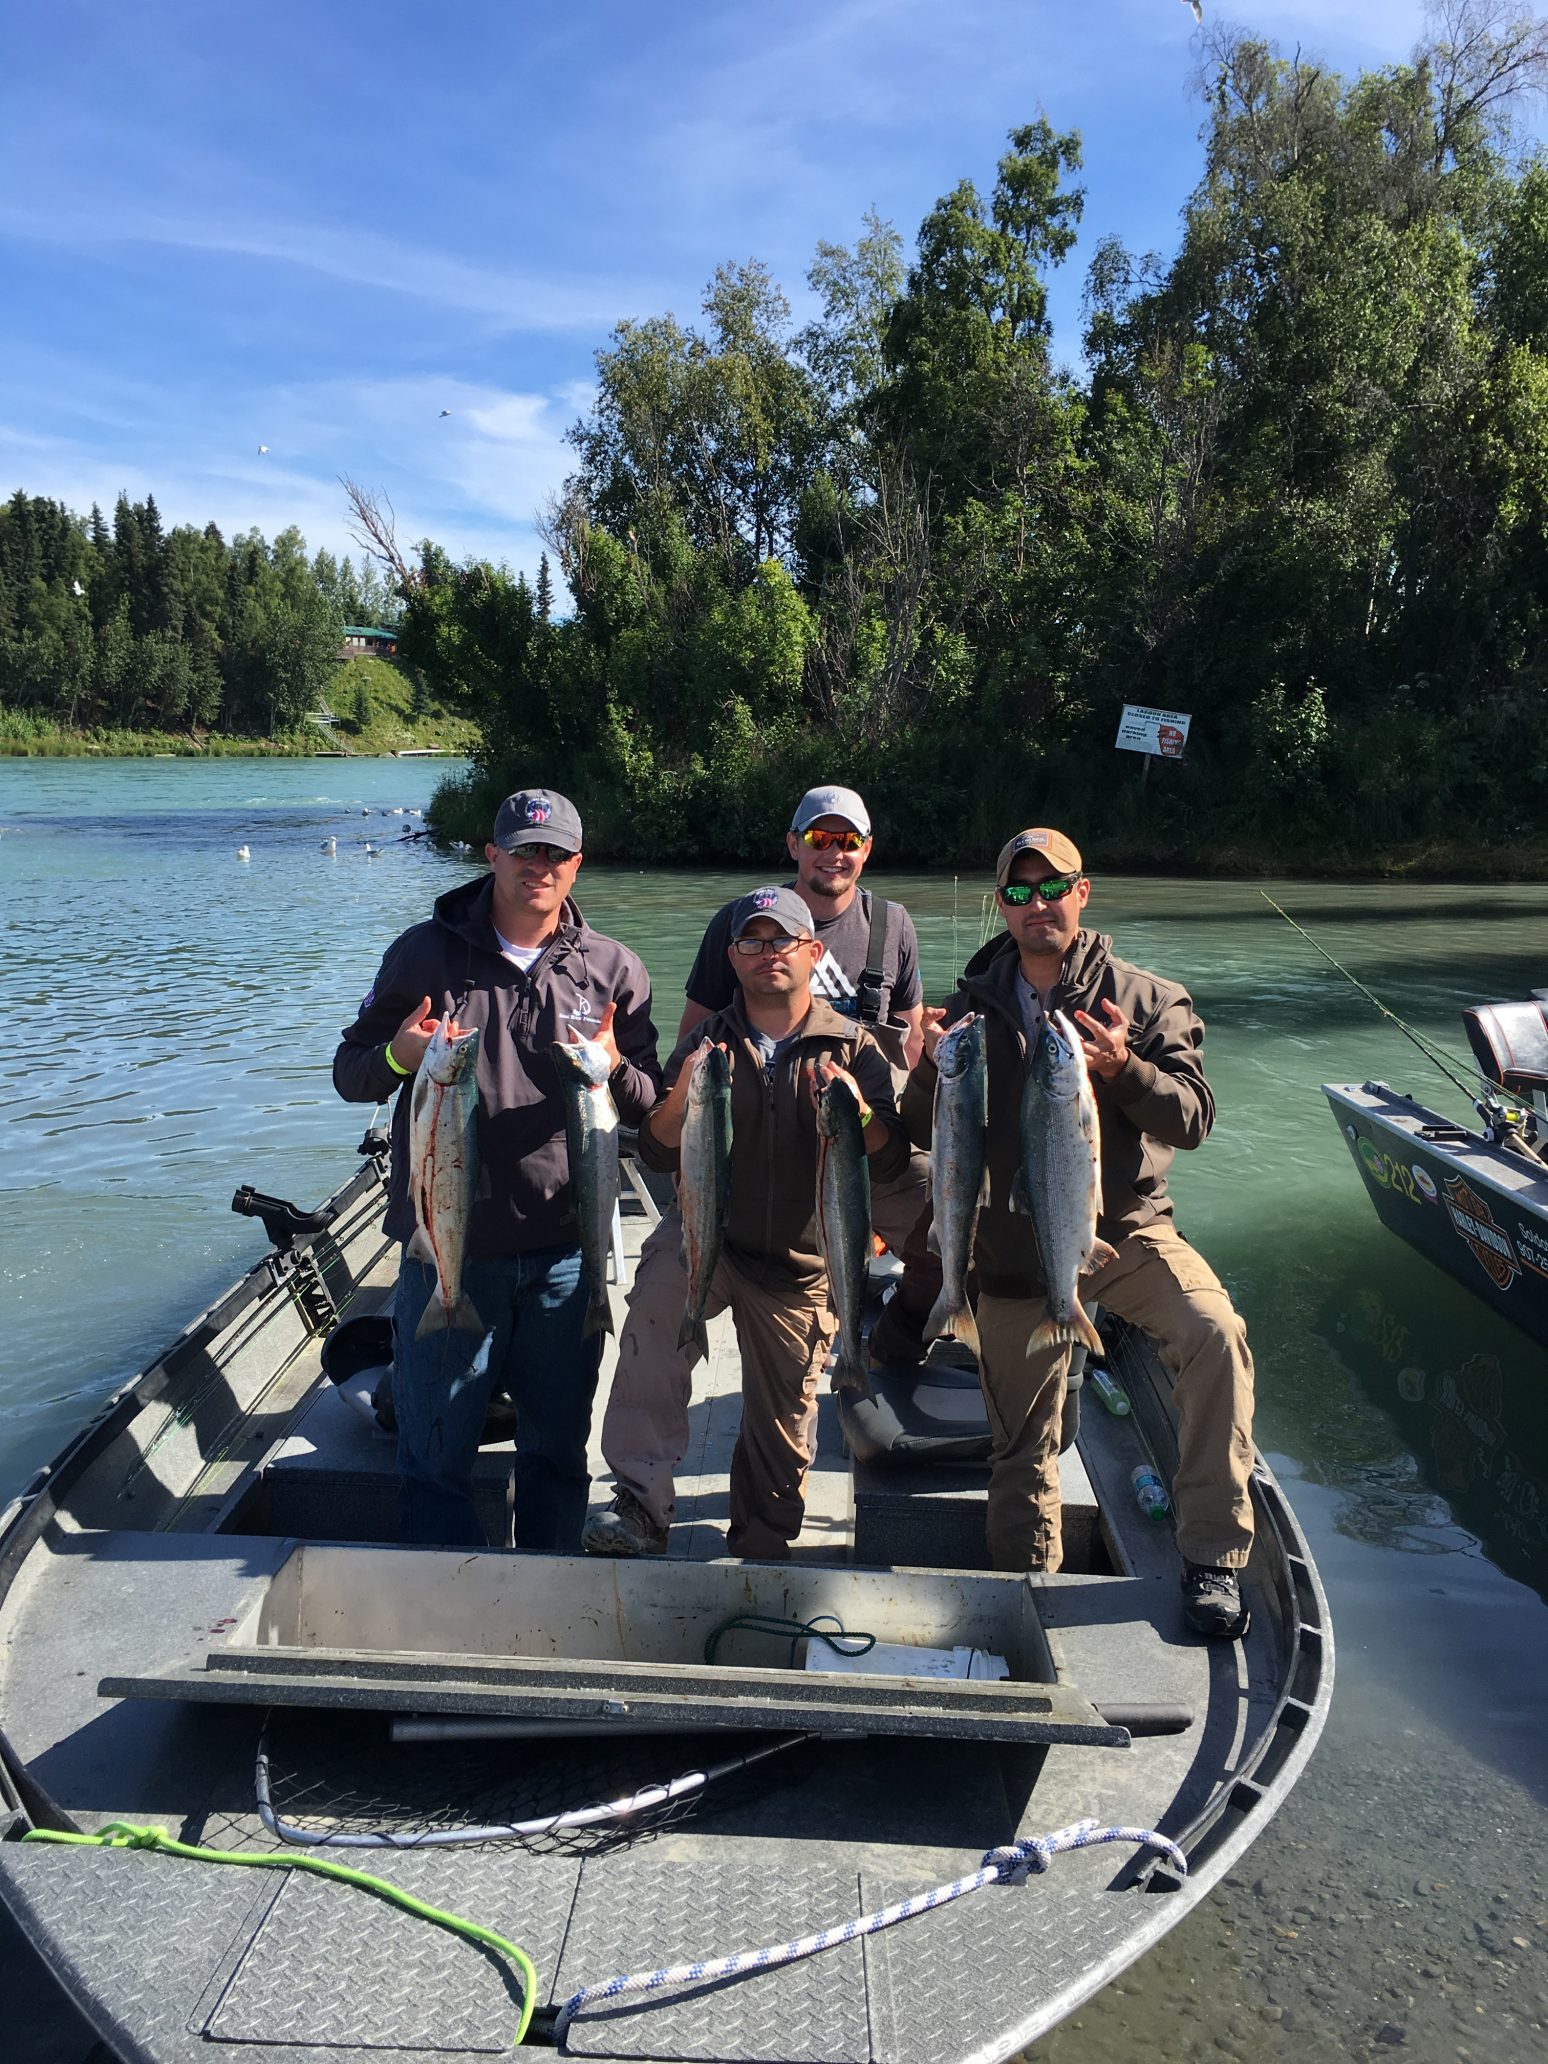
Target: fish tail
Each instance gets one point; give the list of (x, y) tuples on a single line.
[(440, 1317), (695, 1338), (851, 1373), (1077, 1329), (599, 1316), (948, 1321)]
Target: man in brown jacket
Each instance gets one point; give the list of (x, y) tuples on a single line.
[(778, 1036), (1142, 1046)]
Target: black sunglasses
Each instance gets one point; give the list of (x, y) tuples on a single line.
[(1019, 893), (554, 856)]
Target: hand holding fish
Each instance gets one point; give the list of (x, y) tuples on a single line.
[(932, 1025), (603, 1036), (1107, 1049), (407, 1045), (666, 1118)]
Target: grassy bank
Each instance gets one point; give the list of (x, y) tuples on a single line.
[(372, 701)]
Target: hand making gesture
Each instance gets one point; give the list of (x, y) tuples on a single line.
[(1107, 1048)]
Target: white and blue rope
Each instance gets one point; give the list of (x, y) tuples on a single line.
[(1009, 1864)]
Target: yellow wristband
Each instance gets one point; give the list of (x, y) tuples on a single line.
[(393, 1062)]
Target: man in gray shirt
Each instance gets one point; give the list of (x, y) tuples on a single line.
[(869, 970)]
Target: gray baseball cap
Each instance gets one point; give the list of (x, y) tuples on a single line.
[(831, 802), (783, 905), (537, 817)]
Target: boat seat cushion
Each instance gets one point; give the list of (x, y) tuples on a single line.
[(1510, 1043)]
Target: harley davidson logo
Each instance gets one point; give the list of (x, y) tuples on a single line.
[(1475, 1224)]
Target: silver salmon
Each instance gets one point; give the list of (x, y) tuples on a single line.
[(844, 1226), (959, 1179), (444, 1172), (704, 1186), (1059, 1182), (591, 1133)]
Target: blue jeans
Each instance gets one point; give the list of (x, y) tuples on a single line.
[(534, 1305)]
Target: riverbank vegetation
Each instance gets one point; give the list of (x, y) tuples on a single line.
[(135, 632), (1297, 488)]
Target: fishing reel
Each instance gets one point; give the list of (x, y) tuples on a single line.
[(1515, 1127)]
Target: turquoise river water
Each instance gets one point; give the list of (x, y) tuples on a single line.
[(173, 1009)]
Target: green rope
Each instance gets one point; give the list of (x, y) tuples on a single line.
[(124, 1834), (791, 1630)]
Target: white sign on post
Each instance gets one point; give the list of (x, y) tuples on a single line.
[(1162, 732)]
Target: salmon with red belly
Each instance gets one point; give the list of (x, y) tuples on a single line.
[(443, 1173)]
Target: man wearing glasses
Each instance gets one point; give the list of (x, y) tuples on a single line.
[(868, 971), (510, 954), (1142, 1043), (781, 1039)]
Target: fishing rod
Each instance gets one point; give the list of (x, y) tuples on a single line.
[(1433, 1054)]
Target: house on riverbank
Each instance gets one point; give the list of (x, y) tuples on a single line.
[(368, 640)]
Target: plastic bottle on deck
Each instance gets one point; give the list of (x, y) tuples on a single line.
[(1112, 1394), (1151, 1493)]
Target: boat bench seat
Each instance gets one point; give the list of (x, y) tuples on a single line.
[(336, 1479)]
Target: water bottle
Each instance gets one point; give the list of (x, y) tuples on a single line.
[(1150, 1491), (1111, 1393)]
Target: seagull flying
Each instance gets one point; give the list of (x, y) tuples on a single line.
[(263, 448), (446, 412), (76, 588), (1198, 9)]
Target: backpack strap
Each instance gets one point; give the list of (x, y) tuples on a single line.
[(868, 992)]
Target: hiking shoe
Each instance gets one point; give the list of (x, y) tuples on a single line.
[(1212, 1602), (625, 1528)]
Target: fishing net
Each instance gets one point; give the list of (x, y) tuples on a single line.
[(331, 1775)]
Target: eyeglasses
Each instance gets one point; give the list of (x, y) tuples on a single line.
[(555, 856), (820, 840), (1054, 890), (781, 943)]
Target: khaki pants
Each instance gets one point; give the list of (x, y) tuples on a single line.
[(1165, 1287), (900, 1214), (783, 1333)]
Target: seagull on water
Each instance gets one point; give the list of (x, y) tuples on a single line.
[(370, 850), (243, 853), (330, 845)]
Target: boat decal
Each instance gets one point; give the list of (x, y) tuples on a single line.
[(1374, 1162), (1477, 1227), (1532, 1246), (1416, 1184)]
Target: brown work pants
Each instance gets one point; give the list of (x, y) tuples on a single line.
[(1169, 1290), (783, 1333)]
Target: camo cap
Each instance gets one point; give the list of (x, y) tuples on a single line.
[(537, 817)]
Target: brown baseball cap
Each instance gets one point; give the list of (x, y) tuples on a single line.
[(1062, 854)]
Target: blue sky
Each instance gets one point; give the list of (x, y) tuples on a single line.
[(316, 226)]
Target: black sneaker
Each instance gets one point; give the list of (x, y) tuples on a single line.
[(1212, 1602)]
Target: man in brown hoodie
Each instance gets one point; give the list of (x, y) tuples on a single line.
[(771, 1275), (1142, 1044)]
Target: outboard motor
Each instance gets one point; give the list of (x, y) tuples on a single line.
[(1510, 1045)]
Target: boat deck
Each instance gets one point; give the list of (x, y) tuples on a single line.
[(182, 1514)]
